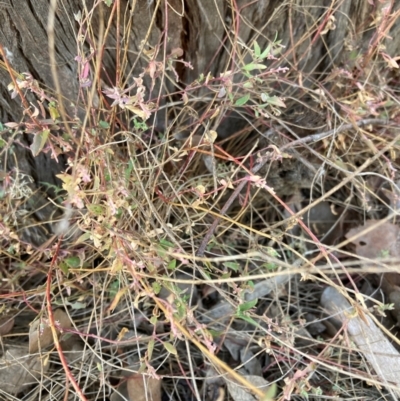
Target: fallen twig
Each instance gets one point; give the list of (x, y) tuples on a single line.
[(323, 135)]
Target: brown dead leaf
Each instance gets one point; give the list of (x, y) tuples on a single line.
[(144, 388), (380, 242), (377, 242), (121, 393), (40, 334), (18, 370), (6, 324)]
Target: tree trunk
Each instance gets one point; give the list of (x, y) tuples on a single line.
[(316, 38)]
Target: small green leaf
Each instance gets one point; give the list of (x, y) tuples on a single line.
[(272, 252), (245, 306), (247, 319), (166, 244), (172, 265), (64, 268), (243, 100), (73, 261), (170, 348), (317, 391), (161, 252), (247, 74), (266, 52), (270, 394), (98, 210), (84, 237), (272, 100), (128, 170), (139, 125), (269, 266), (232, 265), (252, 66), (77, 305), (277, 48), (156, 287), (216, 333), (257, 50), (39, 140), (385, 253), (153, 320), (104, 124), (150, 348), (113, 288), (250, 284), (353, 55), (54, 114)]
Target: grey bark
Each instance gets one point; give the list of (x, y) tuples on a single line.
[(200, 32)]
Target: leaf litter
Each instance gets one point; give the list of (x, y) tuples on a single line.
[(19, 370)]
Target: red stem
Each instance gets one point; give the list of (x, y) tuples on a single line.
[(64, 362)]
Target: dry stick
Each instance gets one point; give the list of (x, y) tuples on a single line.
[(367, 336), (323, 135), (310, 138)]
